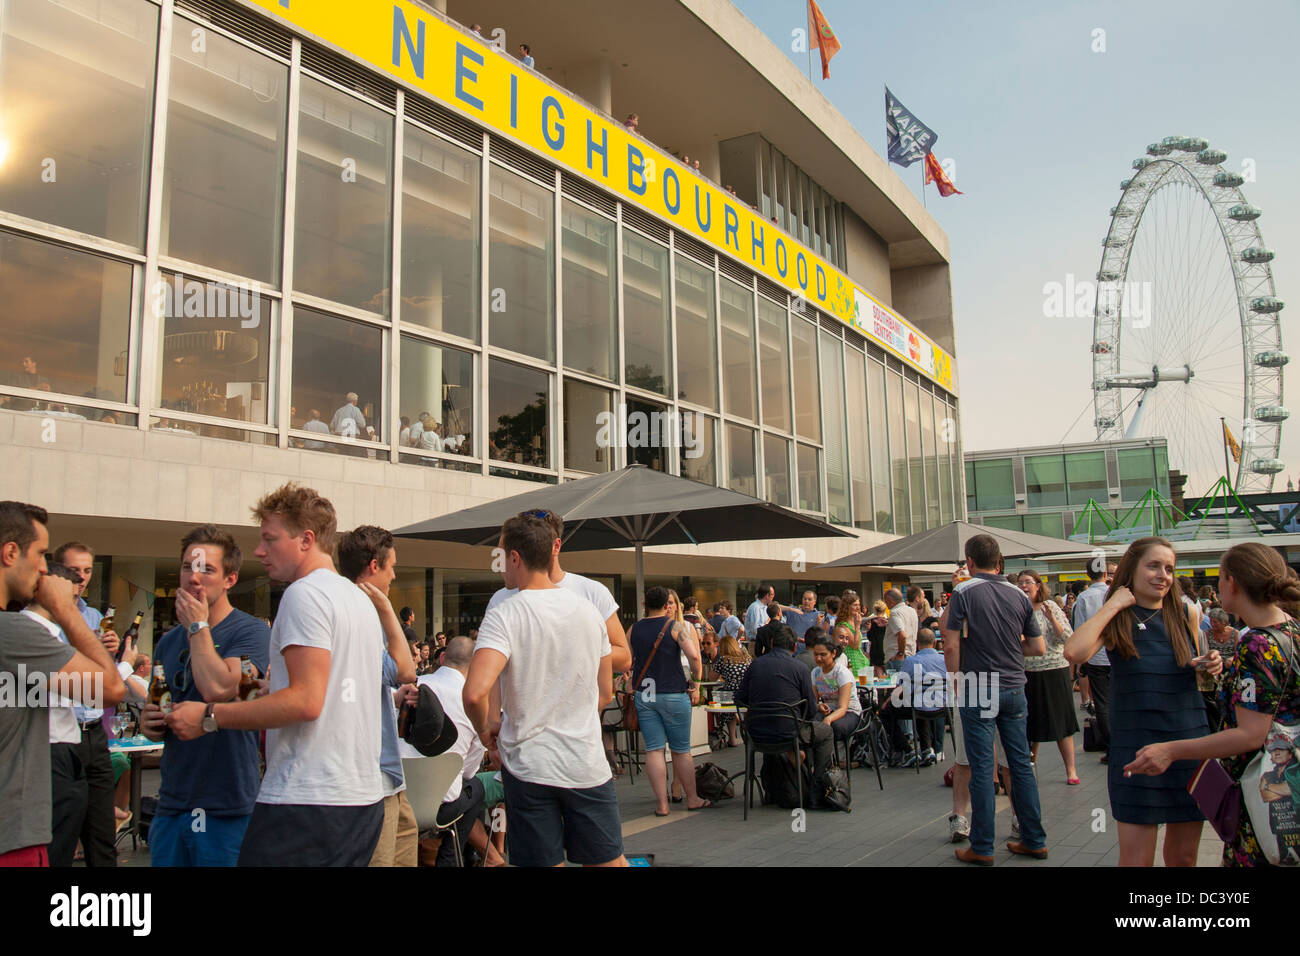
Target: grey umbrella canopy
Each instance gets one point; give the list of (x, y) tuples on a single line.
[(634, 507), (947, 545)]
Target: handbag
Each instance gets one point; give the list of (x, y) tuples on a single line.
[(630, 719), (835, 790), (1270, 787), (1218, 796), (712, 782)]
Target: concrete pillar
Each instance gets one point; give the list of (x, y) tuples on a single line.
[(593, 81), (140, 572)]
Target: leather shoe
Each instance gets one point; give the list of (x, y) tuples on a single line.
[(967, 855), (1022, 850)]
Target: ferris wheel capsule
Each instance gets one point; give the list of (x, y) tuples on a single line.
[(1170, 143), (1266, 304), (1267, 466), (1228, 179), (1257, 254), (1245, 212), (1273, 358), (1272, 414), (1192, 144), (1159, 149), (1141, 161), (1211, 157)]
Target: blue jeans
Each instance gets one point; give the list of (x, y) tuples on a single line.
[(1010, 724), (174, 841)]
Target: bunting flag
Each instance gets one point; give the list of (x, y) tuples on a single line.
[(1232, 443), (934, 174), (821, 36), (909, 138)]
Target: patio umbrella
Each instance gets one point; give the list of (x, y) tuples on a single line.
[(635, 506), (947, 545)]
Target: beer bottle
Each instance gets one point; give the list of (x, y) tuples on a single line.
[(159, 695), (247, 679), (132, 635)]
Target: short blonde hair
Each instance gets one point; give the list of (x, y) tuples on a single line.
[(301, 509), (728, 646)]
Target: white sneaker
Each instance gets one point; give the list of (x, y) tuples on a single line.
[(958, 828)]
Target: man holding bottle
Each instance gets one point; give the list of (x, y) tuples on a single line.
[(209, 784)]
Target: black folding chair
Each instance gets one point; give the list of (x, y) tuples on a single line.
[(628, 756), (870, 734), (783, 745)]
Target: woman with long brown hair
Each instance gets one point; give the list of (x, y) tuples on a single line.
[(1154, 699), (1261, 682), (1048, 691)]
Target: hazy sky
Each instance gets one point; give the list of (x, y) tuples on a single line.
[(1042, 129)]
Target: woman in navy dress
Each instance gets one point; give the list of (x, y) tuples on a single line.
[(1154, 699)]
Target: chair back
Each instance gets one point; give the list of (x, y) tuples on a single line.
[(427, 781), (788, 717)]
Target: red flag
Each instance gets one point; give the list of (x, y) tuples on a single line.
[(934, 174), (821, 36)]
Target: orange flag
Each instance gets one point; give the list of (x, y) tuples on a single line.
[(1232, 443), (934, 174), (821, 36)]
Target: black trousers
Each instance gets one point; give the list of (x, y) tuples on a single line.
[(468, 806), (1099, 684), (68, 796), (99, 827), (821, 740)]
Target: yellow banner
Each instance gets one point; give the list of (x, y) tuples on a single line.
[(470, 76)]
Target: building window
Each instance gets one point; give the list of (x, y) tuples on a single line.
[(645, 314), (915, 462), (972, 505), (441, 200), (993, 485), (216, 348), (1045, 481), (933, 512), (223, 192), (77, 87), (898, 454), (774, 363), (66, 317), (1005, 522), (1162, 469), (808, 461), (519, 407), (521, 265), (590, 430), (1052, 524), (876, 442), (776, 469), (590, 292), (742, 468), (697, 344), (436, 404), (739, 395), (1137, 473), (699, 448), (832, 382), (1085, 477), (650, 434), (342, 218), (855, 401), (807, 388), (333, 360)]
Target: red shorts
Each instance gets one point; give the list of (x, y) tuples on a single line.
[(27, 856)]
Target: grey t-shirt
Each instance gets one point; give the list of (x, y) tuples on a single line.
[(996, 613), (25, 731)]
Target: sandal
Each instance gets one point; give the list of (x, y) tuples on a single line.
[(1072, 781), (664, 814), (703, 806)]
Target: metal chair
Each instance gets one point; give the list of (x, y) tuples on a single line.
[(427, 781), (870, 733), (782, 746), (628, 756)]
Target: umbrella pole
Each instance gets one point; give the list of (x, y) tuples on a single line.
[(640, 582)]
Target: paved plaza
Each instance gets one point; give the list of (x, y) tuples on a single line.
[(905, 825)]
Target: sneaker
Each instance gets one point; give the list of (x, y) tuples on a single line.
[(939, 757), (958, 828), (928, 758), (910, 761)]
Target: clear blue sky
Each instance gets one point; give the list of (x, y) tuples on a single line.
[(1042, 130)]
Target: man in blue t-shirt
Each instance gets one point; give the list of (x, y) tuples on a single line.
[(209, 784)]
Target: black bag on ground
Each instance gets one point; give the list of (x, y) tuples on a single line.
[(711, 782), (780, 785), (834, 790), (148, 807), (1090, 744)]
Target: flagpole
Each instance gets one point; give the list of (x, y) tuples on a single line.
[(1227, 471), (924, 202)]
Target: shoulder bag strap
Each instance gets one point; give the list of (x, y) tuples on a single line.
[(1278, 634), (654, 650)]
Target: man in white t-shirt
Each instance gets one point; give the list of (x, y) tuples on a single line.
[(550, 652), (900, 632), (593, 591), (321, 799)]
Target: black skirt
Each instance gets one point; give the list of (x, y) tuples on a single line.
[(1050, 699)]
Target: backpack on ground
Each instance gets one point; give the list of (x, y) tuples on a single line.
[(711, 782)]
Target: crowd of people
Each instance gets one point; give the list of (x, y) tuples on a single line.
[(293, 742)]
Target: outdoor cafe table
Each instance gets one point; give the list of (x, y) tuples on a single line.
[(135, 748)]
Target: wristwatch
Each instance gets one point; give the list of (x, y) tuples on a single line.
[(196, 627), (210, 719)]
